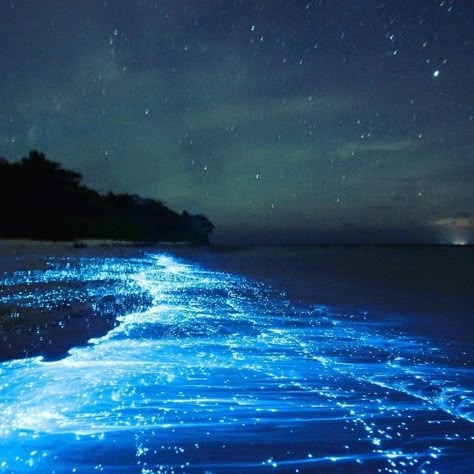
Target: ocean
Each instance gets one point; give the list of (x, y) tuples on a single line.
[(259, 359)]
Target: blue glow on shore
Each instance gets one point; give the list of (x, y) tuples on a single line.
[(223, 374)]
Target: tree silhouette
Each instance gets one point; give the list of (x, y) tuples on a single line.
[(42, 200)]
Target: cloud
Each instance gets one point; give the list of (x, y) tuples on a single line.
[(349, 150), (462, 222), (264, 112)]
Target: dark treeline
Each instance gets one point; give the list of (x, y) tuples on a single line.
[(42, 200)]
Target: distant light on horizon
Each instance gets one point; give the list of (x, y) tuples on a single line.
[(458, 230), (460, 242)]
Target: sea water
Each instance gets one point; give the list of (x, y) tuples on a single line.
[(253, 360)]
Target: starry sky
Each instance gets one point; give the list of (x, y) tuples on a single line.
[(281, 120)]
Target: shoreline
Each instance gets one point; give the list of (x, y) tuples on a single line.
[(29, 243), (406, 287)]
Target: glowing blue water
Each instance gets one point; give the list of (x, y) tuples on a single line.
[(222, 374)]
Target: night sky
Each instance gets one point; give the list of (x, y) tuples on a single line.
[(282, 121)]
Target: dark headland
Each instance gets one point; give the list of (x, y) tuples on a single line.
[(42, 200)]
